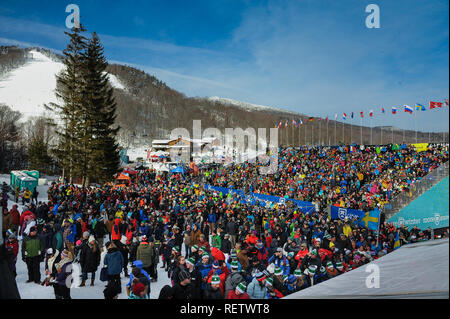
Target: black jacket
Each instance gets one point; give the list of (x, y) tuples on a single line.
[(196, 284), (210, 293), (225, 246), (89, 260), (182, 292)]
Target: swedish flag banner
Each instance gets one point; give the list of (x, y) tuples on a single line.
[(368, 220)]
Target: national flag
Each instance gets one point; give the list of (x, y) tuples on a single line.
[(371, 113), (335, 116), (397, 241), (286, 124), (311, 119), (394, 110), (344, 116), (446, 102), (435, 104), (276, 124), (408, 109), (420, 107), (352, 114), (300, 121), (370, 219), (382, 110), (326, 119), (279, 124), (362, 114), (294, 123)]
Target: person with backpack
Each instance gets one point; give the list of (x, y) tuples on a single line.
[(234, 278)]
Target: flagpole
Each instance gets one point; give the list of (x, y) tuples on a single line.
[(292, 135), (381, 130), (415, 124), (351, 129), (305, 132), (335, 130), (371, 131), (320, 131), (361, 129), (327, 132), (312, 133)]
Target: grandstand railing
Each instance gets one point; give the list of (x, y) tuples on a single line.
[(415, 190)]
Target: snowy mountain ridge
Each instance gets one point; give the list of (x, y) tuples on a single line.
[(248, 106), (27, 88)]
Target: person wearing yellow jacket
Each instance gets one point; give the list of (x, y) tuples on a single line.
[(347, 229), (26, 196)]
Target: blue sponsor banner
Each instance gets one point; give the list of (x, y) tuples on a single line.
[(261, 199), (366, 219)]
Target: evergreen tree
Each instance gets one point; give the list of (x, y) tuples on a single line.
[(38, 157), (70, 91), (101, 158)]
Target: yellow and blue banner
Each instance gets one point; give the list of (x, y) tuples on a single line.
[(368, 220), (397, 242)]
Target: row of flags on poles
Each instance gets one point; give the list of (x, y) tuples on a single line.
[(406, 108)]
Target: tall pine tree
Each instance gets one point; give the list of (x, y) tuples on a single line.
[(87, 146), (69, 90), (102, 158)]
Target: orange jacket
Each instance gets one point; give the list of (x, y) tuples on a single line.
[(115, 234)]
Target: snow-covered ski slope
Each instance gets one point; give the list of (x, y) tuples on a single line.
[(29, 87)]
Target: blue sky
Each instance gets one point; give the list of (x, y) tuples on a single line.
[(311, 56)]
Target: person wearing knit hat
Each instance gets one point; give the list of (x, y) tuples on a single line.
[(194, 248), (215, 280), (278, 271), (272, 292), (298, 273), (190, 261), (340, 267), (257, 288), (241, 288), (239, 292), (213, 290), (331, 270), (196, 278), (138, 291), (176, 249)]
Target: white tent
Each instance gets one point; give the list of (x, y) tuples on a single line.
[(413, 271)]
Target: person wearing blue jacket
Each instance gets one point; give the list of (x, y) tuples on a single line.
[(114, 262), (204, 267), (279, 260), (69, 231), (257, 289), (138, 264)]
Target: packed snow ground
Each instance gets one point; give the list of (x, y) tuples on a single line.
[(27, 88), (35, 291)]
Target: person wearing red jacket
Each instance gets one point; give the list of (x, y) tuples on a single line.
[(115, 234), (272, 293), (222, 271), (15, 218), (238, 293)]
